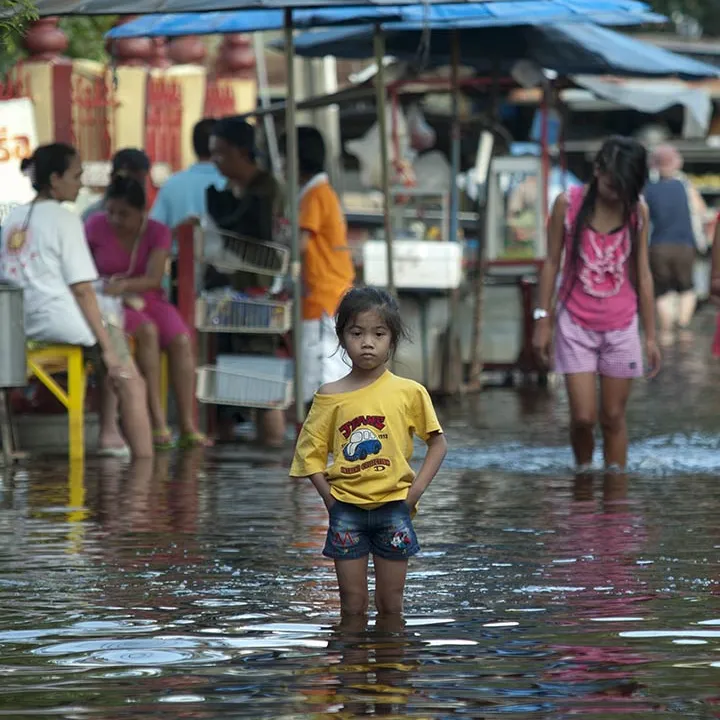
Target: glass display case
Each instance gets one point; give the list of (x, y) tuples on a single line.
[(515, 218), (420, 215)]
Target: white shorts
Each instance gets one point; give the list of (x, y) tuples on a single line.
[(324, 361)]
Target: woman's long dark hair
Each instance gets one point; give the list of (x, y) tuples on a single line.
[(625, 161)]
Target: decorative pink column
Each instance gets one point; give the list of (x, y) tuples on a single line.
[(45, 41), (159, 58), (131, 52), (235, 57), (188, 50)]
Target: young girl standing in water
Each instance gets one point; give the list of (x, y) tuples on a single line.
[(366, 421), (603, 231)]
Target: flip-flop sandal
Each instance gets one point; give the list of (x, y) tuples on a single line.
[(114, 452), (194, 440), (163, 440)]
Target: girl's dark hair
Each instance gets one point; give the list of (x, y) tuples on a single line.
[(46, 161), (127, 189), (625, 161), (360, 300)]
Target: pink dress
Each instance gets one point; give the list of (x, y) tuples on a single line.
[(113, 258)]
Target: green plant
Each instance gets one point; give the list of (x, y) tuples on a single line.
[(13, 16)]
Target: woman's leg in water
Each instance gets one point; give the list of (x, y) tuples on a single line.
[(582, 397), (614, 394)]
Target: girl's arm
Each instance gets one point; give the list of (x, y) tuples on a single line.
[(715, 268), (548, 278), (646, 293), (152, 280), (437, 449), (323, 487)]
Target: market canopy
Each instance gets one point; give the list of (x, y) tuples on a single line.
[(567, 49), (499, 12), (146, 7)]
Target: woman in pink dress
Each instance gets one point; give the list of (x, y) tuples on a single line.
[(131, 253)]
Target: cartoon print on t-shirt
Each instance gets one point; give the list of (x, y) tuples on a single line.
[(17, 252), (362, 443), (364, 436)]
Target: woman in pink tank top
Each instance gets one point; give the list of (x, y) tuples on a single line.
[(602, 232)]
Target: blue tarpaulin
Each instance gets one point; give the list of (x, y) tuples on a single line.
[(568, 49), (500, 12), (146, 7)]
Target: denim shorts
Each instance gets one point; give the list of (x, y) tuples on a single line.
[(386, 531)]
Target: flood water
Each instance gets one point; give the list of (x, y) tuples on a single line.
[(195, 588)]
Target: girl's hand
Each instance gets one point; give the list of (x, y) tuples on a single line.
[(542, 338), (116, 287), (329, 502), (115, 369), (654, 359)]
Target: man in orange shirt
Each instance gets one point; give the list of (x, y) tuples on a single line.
[(328, 271)]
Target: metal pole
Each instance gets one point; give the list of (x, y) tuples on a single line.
[(266, 101), (451, 359), (384, 156), (455, 148), (291, 163)]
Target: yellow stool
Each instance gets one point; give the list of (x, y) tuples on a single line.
[(43, 361)]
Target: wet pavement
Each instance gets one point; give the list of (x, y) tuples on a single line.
[(195, 588)]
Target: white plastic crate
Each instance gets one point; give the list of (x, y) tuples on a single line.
[(232, 253), (254, 381), (229, 315), (417, 264)]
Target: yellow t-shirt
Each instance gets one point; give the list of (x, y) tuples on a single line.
[(369, 433), (328, 271)]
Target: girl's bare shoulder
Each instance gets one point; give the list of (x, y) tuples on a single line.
[(334, 388)]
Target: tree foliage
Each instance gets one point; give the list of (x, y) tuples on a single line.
[(706, 12), (13, 16), (86, 36)]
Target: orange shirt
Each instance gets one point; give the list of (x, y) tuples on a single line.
[(328, 271)]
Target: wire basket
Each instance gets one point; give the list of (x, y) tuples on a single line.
[(225, 387), (229, 252), (230, 315)]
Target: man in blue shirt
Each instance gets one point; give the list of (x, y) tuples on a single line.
[(183, 195)]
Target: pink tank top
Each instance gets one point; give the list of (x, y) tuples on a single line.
[(597, 292)]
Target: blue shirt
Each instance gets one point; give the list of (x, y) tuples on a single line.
[(670, 219), (183, 195)]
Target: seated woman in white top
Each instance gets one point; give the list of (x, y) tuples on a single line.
[(43, 250)]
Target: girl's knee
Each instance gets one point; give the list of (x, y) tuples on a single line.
[(389, 602), (180, 343), (583, 420), (354, 602), (147, 334), (612, 419)]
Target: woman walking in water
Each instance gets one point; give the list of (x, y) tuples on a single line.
[(677, 211), (603, 230)]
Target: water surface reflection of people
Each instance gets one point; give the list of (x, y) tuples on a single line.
[(368, 672), (594, 546)]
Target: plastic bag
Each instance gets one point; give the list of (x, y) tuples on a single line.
[(422, 136)]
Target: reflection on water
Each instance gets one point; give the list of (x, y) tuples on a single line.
[(194, 587)]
